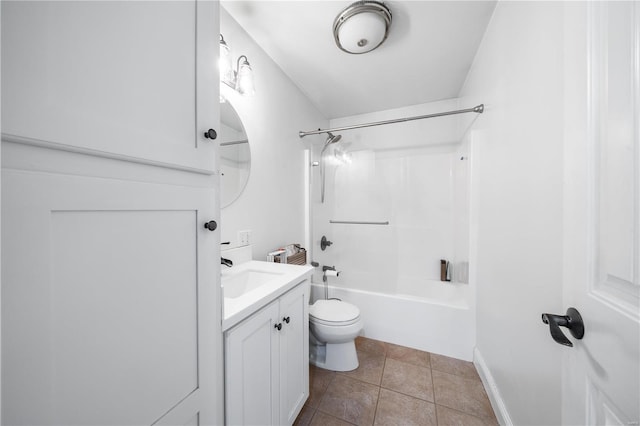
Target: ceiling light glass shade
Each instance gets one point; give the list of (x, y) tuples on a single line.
[(362, 33), (244, 78), (225, 63), (362, 26)]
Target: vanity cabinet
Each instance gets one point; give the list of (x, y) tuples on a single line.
[(267, 362)]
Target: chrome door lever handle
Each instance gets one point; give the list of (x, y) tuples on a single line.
[(572, 320)]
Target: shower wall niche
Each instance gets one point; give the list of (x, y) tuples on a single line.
[(415, 176)]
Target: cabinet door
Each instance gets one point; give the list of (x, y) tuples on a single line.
[(125, 79), (110, 301), (251, 366), (294, 352)]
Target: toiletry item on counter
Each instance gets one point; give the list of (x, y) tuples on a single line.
[(292, 254), (445, 270), (280, 255)]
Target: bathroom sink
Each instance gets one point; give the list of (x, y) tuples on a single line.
[(250, 285), (244, 281)]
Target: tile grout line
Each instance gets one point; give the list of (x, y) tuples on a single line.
[(375, 413), (314, 414), (324, 394), (406, 394), (457, 410), (433, 386)]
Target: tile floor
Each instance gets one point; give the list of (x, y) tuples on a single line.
[(395, 385)]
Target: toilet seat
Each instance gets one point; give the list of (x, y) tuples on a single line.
[(334, 313), (334, 323)]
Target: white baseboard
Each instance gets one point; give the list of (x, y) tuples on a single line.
[(489, 383)]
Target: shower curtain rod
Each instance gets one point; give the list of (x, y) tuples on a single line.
[(477, 109)]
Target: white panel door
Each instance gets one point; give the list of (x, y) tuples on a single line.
[(601, 381), (110, 302), (131, 79), (294, 353)]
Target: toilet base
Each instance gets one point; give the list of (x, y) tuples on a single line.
[(334, 356)]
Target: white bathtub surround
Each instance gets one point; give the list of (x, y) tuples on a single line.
[(412, 189), (442, 322)]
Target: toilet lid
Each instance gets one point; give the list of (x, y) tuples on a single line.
[(334, 311)]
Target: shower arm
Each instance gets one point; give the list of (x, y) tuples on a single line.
[(479, 109)]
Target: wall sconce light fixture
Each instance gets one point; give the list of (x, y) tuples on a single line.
[(240, 79)]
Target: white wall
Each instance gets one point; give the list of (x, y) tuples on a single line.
[(516, 209), (272, 204)]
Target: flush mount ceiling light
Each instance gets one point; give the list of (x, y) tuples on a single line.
[(362, 26)]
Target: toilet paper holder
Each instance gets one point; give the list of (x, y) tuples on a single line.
[(329, 271)]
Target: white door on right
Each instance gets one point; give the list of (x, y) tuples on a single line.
[(601, 372)]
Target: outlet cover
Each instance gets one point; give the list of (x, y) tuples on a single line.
[(244, 238)]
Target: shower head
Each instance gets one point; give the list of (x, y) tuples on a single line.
[(333, 138), (330, 139)]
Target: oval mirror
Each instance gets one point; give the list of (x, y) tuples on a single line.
[(235, 155)]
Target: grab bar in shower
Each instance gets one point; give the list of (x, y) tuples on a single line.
[(349, 222)]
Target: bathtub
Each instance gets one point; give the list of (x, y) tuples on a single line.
[(439, 320)]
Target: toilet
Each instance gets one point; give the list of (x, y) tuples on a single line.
[(333, 326)]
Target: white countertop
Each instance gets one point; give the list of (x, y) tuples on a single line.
[(284, 279)]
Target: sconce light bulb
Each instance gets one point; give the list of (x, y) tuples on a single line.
[(225, 62), (244, 78)]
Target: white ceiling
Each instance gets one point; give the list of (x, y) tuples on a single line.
[(430, 48)]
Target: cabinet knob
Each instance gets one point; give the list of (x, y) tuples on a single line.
[(211, 225), (286, 319), (210, 134), (278, 326)]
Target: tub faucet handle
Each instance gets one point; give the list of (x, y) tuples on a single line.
[(324, 243)]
